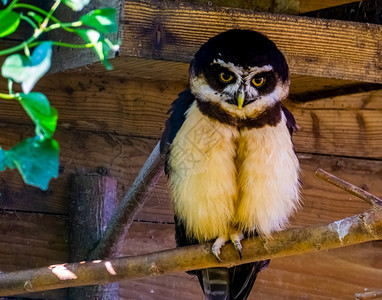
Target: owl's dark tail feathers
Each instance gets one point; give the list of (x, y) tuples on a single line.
[(215, 283), (230, 284)]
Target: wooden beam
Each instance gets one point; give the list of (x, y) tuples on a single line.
[(281, 6), (271, 6), (92, 204), (324, 48)]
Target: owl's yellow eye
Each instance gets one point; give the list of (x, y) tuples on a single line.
[(225, 78), (258, 81)]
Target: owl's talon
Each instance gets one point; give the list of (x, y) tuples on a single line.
[(238, 247), (216, 253), (219, 242), (235, 239)]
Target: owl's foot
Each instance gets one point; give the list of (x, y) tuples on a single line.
[(219, 242), (235, 238)]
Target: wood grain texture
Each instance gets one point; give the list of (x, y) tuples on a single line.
[(280, 6), (123, 157), (340, 124), (30, 241), (348, 125), (93, 200), (324, 275), (316, 47)]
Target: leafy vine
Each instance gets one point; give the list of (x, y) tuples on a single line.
[(37, 158)]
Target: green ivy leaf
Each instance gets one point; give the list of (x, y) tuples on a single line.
[(89, 35), (76, 5), (9, 21), (100, 46), (43, 115), (28, 70), (13, 67), (37, 160), (102, 20)]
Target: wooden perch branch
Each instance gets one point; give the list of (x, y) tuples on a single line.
[(130, 206), (369, 295), (353, 230), (352, 189)]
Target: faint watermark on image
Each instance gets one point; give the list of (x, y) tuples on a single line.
[(197, 147)]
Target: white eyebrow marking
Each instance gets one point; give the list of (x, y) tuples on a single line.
[(256, 70), (230, 66), (240, 72)]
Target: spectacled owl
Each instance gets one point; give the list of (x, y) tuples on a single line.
[(230, 160)]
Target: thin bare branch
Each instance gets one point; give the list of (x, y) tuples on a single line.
[(368, 295), (348, 187), (353, 230)]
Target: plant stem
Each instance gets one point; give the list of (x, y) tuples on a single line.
[(8, 96), (50, 13), (39, 31), (61, 44), (64, 26), (29, 21), (18, 47), (37, 9), (43, 12), (10, 86)]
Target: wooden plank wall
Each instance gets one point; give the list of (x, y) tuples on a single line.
[(110, 124)]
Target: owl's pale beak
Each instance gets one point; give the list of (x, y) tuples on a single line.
[(240, 99)]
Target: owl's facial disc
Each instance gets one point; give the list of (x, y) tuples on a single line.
[(239, 86), (241, 91)]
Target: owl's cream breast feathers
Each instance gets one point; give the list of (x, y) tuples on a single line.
[(222, 177), (202, 175)]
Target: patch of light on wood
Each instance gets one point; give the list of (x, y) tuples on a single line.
[(96, 261), (62, 272), (109, 268)]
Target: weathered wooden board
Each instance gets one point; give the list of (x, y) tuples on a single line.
[(340, 124), (280, 6), (317, 47), (33, 240), (302, 86), (348, 125), (123, 157), (335, 274)]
